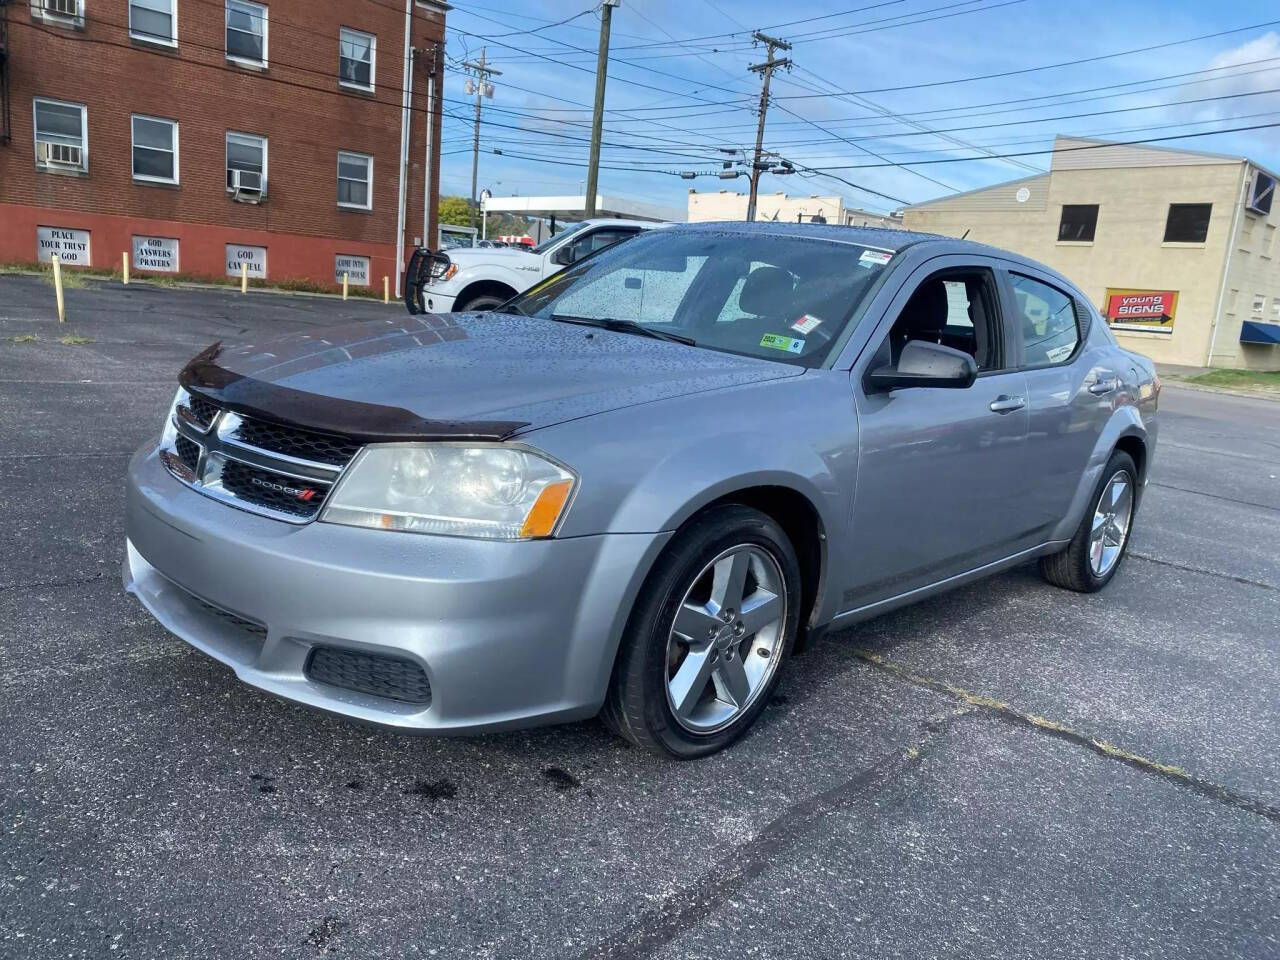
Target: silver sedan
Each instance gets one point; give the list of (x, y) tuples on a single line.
[(635, 488)]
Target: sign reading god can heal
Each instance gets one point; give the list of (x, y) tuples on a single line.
[(70, 246), (1146, 310), (155, 253), (356, 269), (255, 258)]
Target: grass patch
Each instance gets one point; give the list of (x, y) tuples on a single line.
[(73, 278), (74, 340), (1239, 379), (25, 338)]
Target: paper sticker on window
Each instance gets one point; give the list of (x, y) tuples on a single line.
[(1054, 354), (806, 324), (874, 258), (775, 342)]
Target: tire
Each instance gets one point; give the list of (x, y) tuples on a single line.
[(483, 301), (1077, 567), (727, 548)]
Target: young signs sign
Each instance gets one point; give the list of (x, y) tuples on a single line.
[(1146, 310)]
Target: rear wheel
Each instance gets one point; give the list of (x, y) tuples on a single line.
[(1101, 540), (707, 638)]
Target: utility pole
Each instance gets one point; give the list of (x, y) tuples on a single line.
[(483, 88), (766, 72), (597, 115)]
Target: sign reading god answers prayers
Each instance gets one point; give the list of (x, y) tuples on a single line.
[(1151, 311), (155, 253)]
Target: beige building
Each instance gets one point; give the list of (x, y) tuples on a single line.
[(1176, 248), (727, 205)]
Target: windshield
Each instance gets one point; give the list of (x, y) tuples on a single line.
[(765, 294), (547, 244)]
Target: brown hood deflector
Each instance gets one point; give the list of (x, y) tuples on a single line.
[(365, 422)]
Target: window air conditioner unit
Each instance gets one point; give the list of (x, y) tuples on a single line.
[(1261, 192), (58, 154), (247, 186), (62, 8)]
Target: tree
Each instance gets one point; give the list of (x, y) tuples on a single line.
[(455, 210)]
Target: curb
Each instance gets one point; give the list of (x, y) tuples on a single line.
[(1274, 397)]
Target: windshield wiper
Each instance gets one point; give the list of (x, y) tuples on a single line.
[(626, 326), (510, 308)]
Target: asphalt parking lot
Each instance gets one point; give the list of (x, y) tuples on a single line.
[(1007, 771)]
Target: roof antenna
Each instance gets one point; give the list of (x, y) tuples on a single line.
[(966, 233)]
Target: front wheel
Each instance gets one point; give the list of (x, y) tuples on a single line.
[(485, 301), (1100, 542), (708, 635)]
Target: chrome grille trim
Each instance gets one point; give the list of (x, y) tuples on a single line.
[(218, 445)]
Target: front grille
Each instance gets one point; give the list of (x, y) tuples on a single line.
[(391, 678), (275, 491), (263, 467), (202, 411), (188, 452), (292, 442)]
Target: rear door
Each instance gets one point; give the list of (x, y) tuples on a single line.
[(942, 472), (1072, 388)]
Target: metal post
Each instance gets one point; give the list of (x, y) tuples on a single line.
[(766, 71), (386, 290), (406, 112), (57, 288), (344, 284), (427, 187), (244, 276), (597, 115), (124, 266)]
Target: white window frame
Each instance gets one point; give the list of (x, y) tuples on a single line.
[(351, 155), (226, 142), (373, 60), (263, 13), (84, 133), (143, 178), (152, 38), (38, 12)]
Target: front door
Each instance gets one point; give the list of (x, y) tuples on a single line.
[(942, 472)]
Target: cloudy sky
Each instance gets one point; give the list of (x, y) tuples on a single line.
[(876, 88)]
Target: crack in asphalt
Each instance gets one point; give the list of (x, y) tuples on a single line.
[(1203, 570), (1216, 496), (656, 927), (67, 582), (1002, 711)]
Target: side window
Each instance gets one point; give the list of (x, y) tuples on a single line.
[(955, 308), (598, 239), (1047, 319)]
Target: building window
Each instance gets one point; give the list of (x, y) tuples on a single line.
[(1187, 223), (247, 32), (155, 21), (355, 181), (355, 58), (1275, 309), (67, 13), (246, 165), (1259, 305), (155, 150), (61, 136), (1079, 220)]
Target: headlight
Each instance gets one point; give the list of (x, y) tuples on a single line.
[(492, 492), (445, 274)]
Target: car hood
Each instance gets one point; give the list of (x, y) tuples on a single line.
[(467, 256), (485, 376)]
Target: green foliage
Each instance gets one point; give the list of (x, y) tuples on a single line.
[(455, 210)]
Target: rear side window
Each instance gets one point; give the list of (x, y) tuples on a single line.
[(1047, 320)]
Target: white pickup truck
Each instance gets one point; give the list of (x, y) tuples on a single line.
[(481, 278)]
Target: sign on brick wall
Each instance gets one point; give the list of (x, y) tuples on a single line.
[(71, 246), (155, 253), (254, 257), (356, 269)]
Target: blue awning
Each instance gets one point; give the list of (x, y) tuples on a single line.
[(1251, 331)]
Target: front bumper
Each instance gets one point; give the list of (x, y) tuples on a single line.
[(508, 634), (438, 302)]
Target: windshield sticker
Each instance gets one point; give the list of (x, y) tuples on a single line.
[(1058, 353), (775, 342), (806, 324), (874, 258)]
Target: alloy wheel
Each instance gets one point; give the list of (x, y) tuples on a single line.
[(1111, 520), (727, 638)]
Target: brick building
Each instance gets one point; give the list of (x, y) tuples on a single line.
[(201, 134)]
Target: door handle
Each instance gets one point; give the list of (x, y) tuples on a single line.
[(1005, 403), (1099, 387)]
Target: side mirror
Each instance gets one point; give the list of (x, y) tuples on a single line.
[(924, 364), (564, 256)]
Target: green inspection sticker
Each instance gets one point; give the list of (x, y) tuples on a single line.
[(789, 344)]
